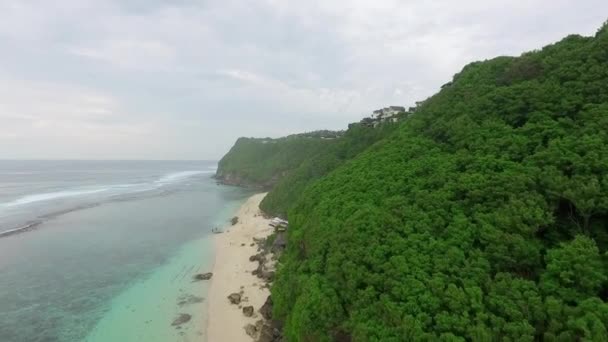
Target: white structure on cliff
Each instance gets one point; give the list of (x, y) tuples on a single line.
[(388, 113)]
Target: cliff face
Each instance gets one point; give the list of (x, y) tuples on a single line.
[(236, 178)]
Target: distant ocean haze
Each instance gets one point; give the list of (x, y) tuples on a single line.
[(114, 247)]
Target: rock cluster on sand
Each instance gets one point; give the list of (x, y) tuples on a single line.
[(231, 270), (266, 330)]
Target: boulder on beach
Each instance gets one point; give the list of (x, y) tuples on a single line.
[(251, 330), (257, 257), (266, 334), (266, 309), (203, 276), (267, 276), (234, 298), (248, 311), (234, 220), (181, 319)]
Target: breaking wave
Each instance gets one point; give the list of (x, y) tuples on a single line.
[(110, 189)]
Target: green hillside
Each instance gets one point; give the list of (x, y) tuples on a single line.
[(262, 162), (483, 217), (355, 140)]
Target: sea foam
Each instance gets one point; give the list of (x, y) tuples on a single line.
[(114, 189), (51, 196)]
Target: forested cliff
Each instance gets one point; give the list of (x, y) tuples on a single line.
[(482, 217), (261, 162)]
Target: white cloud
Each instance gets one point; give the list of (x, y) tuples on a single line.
[(156, 79), (136, 54)]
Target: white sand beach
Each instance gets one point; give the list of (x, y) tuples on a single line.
[(232, 273)]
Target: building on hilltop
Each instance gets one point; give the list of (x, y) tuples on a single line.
[(387, 114)]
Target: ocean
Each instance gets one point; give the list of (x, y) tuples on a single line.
[(105, 251)]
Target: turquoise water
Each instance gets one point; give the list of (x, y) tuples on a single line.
[(113, 265)]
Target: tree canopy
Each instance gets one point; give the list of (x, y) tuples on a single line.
[(482, 217)]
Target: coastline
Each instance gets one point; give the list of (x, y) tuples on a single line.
[(232, 274)]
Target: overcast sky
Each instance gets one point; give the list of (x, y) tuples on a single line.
[(182, 79)]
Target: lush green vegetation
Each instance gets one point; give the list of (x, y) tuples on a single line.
[(262, 162), (355, 140), (484, 217)]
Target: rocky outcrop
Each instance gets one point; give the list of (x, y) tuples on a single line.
[(257, 257), (266, 309), (235, 179), (266, 330), (248, 311), (235, 298), (189, 299), (203, 276), (271, 332), (181, 319), (267, 276), (251, 330), (266, 334)]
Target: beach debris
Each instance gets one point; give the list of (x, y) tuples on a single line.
[(251, 330), (203, 276), (234, 298), (189, 299), (248, 311), (181, 319), (234, 220), (266, 309), (252, 244), (242, 245)]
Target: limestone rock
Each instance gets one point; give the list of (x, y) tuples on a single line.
[(251, 330), (181, 319), (266, 309), (203, 276), (266, 334), (248, 311), (234, 298)]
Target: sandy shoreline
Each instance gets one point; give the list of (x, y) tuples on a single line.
[(232, 273)]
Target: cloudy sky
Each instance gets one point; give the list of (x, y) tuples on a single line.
[(182, 79)]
